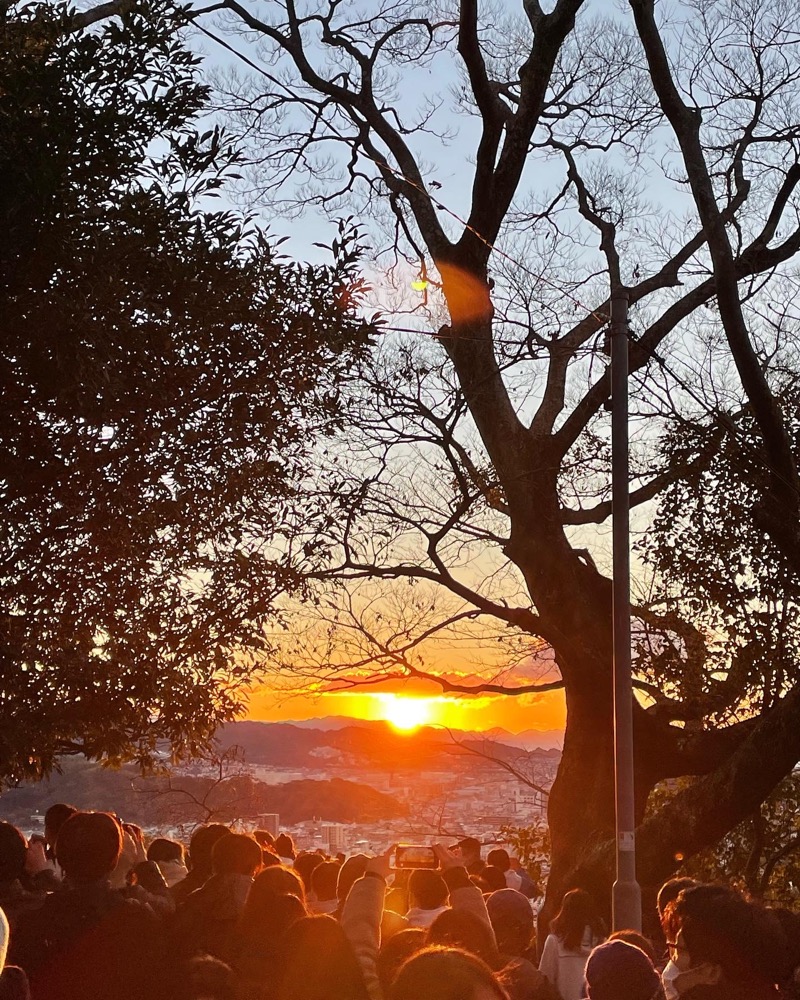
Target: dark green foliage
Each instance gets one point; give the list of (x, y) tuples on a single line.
[(165, 375), (722, 571), (762, 854)]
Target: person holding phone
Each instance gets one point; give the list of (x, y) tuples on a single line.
[(363, 908)]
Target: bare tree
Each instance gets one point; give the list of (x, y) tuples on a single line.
[(477, 459)]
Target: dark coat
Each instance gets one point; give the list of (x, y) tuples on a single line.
[(206, 922), (89, 941)]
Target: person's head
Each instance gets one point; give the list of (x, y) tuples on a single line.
[(427, 889), (469, 850), (89, 845), (512, 919), (617, 970), (716, 936), (279, 879), (395, 951), (319, 963), (55, 817), (304, 865), (638, 941), (445, 974), (265, 838), (499, 857), (493, 879), (236, 854), (576, 914), (267, 914), (202, 843), (284, 845), (671, 890), (323, 880), (462, 929), (13, 848), (162, 849), (352, 870), (205, 978)]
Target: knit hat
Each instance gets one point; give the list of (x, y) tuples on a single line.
[(617, 970), (509, 906)]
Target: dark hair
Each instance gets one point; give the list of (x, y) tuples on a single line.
[(257, 945), (205, 978), (284, 845), (464, 930), (720, 926), (469, 845), (13, 848), (55, 817), (499, 858), (323, 880), (270, 911), (319, 963), (670, 890), (304, 865), (493, 878), (428, 888), (236, 853), (444, 974), (576, 914), (397, 950), (202, 843), (162, 849), (89, 845), (279, 878), (264, 837)]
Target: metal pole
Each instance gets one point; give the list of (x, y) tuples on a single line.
[(627, 897)]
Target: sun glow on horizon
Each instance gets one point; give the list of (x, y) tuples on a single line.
[(405, 713)]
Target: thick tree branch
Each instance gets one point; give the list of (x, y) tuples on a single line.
[(686, 122)]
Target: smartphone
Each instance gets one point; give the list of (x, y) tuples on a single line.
[(414, 856)]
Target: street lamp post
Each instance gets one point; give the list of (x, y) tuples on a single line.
[(627, 897)]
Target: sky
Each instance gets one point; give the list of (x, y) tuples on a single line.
[(515, 714)]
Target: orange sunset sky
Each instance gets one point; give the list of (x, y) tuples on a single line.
[(542, 711)]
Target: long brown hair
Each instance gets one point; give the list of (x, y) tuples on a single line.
[(576, 914)]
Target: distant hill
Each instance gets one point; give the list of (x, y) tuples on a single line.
[(150, 803), (529, 739), (375, 745)]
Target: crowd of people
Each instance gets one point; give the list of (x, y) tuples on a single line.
[(91, 911)]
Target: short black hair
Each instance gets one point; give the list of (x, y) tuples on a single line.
[(236, 853), (428, 888), (324, 879), (162, 849), (89, 845), (499, 858)]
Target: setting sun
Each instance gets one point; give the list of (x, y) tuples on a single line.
[(405, 713)]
